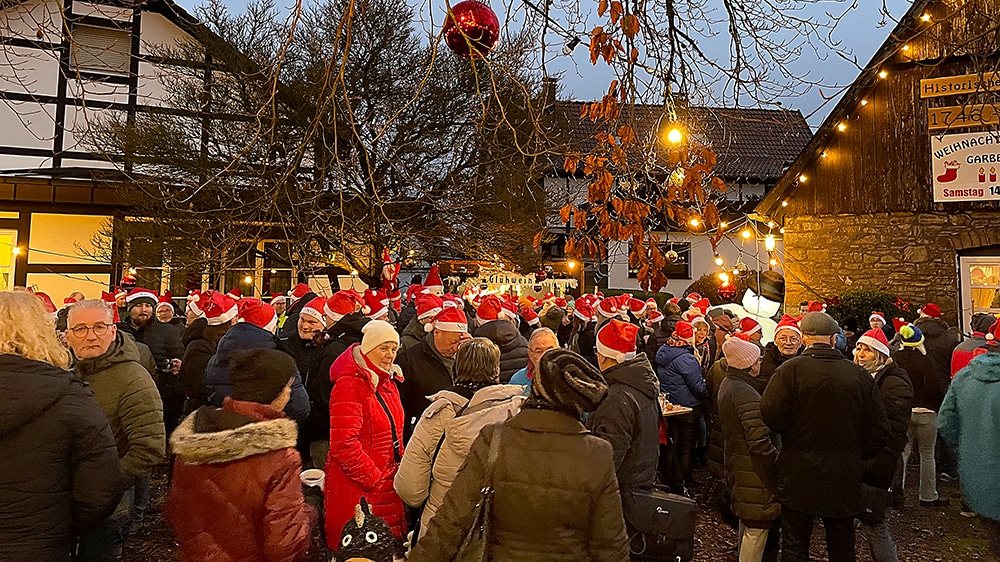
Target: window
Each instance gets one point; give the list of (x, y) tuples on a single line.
[(101, 49), (678, 269)]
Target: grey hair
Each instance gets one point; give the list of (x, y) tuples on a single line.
[(542, 332), (92, 304)]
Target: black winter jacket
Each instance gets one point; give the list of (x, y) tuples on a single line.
[(928, 380), (830, 419), (897, 396), (513, 346), (423, 375), (940, 341), (291, 326), (193, 365), (751, 456), (343, 334), (59, 471), (716, 439), (629, 418), (769, 364), (164, 342)]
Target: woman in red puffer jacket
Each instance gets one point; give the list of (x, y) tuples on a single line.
[(366, 432)]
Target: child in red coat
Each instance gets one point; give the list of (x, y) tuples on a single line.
[(236, 494)]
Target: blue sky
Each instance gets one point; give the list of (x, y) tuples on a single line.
[(861, 32)]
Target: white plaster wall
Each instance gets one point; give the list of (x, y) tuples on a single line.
[(157, 32), (27, 124), (9, 162), (91, 90), (27, 70), (26, 19), (110, 12)]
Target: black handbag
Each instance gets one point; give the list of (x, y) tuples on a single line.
[(660, 526), (476, 545)]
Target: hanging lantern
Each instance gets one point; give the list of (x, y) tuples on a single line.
[(740, 269), (471, 29), (540, 276), (672, 256), (727, 291)]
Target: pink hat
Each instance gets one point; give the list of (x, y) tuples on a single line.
[(788, 323), (259, 313), (376, 304), (879, 315), (299, 291), (235, 293), (749, 326), (490, 309), (684, 331), (450, 319), (876, 340), (530, 316), (930, 310), (340, 305), (428, 305), (217, 307), (740, 353), (316, 308), (433, 282), (616, 340)]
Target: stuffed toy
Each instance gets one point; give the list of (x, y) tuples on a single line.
[(367, 538)]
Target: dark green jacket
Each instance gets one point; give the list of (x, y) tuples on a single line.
[(127, 395)]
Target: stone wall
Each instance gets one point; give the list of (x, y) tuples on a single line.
[(912, 255)]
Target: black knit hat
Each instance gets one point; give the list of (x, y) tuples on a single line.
[(260, 375), (568, 381)]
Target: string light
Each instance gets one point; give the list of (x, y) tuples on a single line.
[(906, 47), (781, 230), (769, 242), (718, 260), (803, 178), (883, 74), (746, 234), (784, 203), (354, 273), (723, 224), (724, 277), (694, 222), (773, 262), (771, 224), (842, 127), (16, 250), (925, 18), (675, 135), (131, 271), (248, 280), (822, 154), (864, 102)]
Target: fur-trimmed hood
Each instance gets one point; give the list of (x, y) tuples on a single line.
[(253, 438)]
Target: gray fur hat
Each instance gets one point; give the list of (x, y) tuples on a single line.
[(568, 381)]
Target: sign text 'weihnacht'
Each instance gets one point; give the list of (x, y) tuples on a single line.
[(966, 167)]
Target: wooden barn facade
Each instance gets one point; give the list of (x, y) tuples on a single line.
[(898, 189)]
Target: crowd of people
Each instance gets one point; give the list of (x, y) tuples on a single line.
[(418, 407)]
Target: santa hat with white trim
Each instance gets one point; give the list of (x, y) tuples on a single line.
[(315, 308), (655, 317), (277, 298), (376, 304), (120, 292), (340, 305), (490, 309), (583, 310), (788, 323), (235, 293), (609, 307), (428, 305), (530, 316), (929, 310), (140, 296), (413, 290), (693, 297), (218, 308), (684, 331), (993, 335), (257, 312), (616, 340), (748, 326), (450, 319), (298, 292), (878, 315), (815, 306), (636, 306), (166, 300), (50, 307), (876, 340), (433, 282), (109, 299)]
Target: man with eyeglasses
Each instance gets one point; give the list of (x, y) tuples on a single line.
[(108, 361)]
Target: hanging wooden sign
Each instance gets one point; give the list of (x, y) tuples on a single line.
[(962, 84), (957, 117)]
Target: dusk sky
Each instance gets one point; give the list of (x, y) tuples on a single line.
[(861, 31)]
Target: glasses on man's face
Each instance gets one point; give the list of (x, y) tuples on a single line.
[(81, 331)]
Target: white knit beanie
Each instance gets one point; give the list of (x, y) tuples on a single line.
[(377, 332)]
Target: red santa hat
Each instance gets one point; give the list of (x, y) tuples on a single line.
[(428, 305), (651, 304), (583, 310), (376, 304), (68, 301), (299, 291), (530, 316), (878, 315), (993, 335), (120, 292), (548, 296), (316, 308), (433, 282), (898, 323), (655, 317), (490, 309), (413, 290), (165, 300), (218, 308), (876, 340), (450, 319), (257, 312), (787, 323), (510, 308), (693, 297), (691, 313), (109, 299), (277, 298), (561, 302), (816, 306), (749, 326), (684, 331), (616, 340), (609, 307), (340, 305), (702, 304), (235, 293), (50, 307), (450, 300), (139, 294), (930, 310), (636, 306)]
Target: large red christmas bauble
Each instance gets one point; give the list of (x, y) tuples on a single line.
[(472, 29), (727, 291)]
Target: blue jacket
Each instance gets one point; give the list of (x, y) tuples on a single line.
[(970, 419), (680, 375), (245, 337)]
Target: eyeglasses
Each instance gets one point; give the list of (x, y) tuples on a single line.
[(81, 331)]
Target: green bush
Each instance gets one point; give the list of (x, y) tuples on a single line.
[(858, 304)]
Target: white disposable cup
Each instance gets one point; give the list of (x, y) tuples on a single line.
[(313, 477)]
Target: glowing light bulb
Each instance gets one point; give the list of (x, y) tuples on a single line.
[(248, 279), (769, 242), (746, 234), (782, 230), (784, 203), (736, 271), (675, 136), (694, 222), (771, 224), (571, 264), (773, 262), (354, 272), (842, 127), (724, 277), (925, 18), (16, 250), (883, 74), (823, 154), (864, 102), (131, 271), (718, 260), (803, 178), (723, 224), (906, 47)]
